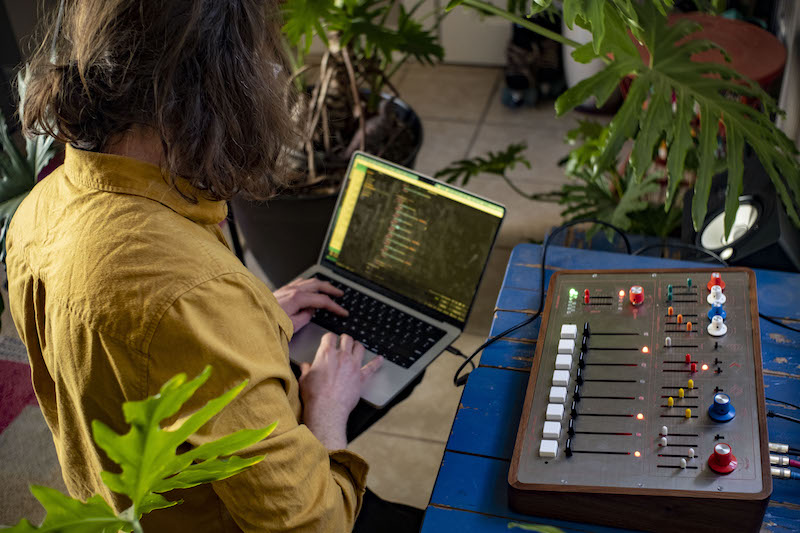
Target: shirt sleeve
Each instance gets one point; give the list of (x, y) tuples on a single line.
[(228, 322)]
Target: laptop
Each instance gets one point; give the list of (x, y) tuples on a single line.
[(409, 253)]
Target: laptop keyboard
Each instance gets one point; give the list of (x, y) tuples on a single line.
[(398, 336)]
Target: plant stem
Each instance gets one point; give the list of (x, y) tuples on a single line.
[(544, 32), (358, 111)]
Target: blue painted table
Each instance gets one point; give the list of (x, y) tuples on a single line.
[(471, 494)]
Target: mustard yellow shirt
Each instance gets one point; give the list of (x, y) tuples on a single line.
[(117, 283)]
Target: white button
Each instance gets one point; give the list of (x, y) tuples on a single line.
[(558, 394), (548, 448), (563, 361), (566, 346), (552, 430), (683, 463), (561, 378), (664, 430), (663, 442), (569, 331), (555, 411)]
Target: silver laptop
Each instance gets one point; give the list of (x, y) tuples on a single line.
[(409, 252)]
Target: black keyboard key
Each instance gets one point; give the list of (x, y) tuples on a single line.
[(399, 337)]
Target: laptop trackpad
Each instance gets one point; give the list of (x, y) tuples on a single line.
[(381, 387)]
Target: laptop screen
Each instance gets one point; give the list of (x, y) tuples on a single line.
[(415, 236)]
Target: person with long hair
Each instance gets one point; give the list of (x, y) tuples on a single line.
[(120, 278)]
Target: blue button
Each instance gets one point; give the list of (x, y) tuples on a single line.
[(722, 409), (717, 310)]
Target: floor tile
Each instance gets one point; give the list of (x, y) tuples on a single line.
[(480, 319), (27, 455), (402, 470), (445, 141), (545, 146), (449, 91)]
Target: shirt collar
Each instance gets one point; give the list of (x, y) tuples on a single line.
[(124, 175)]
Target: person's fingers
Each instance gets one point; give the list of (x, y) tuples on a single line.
[(317, 300), (329, 340), (327, 288), (304, 368), (346, 343), (370, 368)]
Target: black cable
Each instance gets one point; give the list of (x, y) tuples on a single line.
[(455, 351), (781, 401), (777, 322), (773, 414), (794, 451), (685, 246), (458, 379)]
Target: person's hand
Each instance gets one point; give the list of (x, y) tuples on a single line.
[(331, 386), (301, 297)]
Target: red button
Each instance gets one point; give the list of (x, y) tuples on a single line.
[(716, 279), (722, 461), (637, 295)]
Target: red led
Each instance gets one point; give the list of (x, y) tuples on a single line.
[(586, 298), (640, 416), (688, 358), (704, 367), (645, 349), (637, 454), (586, 292), (694, 367)]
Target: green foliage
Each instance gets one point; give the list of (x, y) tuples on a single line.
[(668, 92), (361, 25), (496, 163), (149, 462), (620, 198)]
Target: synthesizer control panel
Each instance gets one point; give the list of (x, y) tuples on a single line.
[(645, 404)]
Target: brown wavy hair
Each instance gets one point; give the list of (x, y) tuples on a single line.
[(209, 77)]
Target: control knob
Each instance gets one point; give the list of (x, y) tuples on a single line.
[(722, 409), (717, 328), (716, 279), (637, 295), (722, 461), (717, 310), (716, 296)]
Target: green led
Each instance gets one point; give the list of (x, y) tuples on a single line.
[(573, 293), (689, 282)]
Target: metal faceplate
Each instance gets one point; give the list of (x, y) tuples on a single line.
[(628, 377)]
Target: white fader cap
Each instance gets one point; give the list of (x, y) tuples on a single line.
[(548, 448), (569, 331), (566, 346)]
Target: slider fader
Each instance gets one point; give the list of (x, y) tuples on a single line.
[(645, 404)]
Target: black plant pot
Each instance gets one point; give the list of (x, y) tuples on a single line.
[(285, 235)]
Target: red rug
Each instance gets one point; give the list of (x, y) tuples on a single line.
[(16, 391)]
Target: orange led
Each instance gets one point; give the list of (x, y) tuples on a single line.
[(637, 454), (640, 416), (688, 326), (704, 367), (670, 311), (680, 319), (645, 349), (622, 294)]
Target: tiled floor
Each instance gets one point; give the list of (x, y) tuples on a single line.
[(462, 116)]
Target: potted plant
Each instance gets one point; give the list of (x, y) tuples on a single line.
[(352, 105), (701, 115), (149, 463)]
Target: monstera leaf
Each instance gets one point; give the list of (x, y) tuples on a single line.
[(150, 464), (668, 92)]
